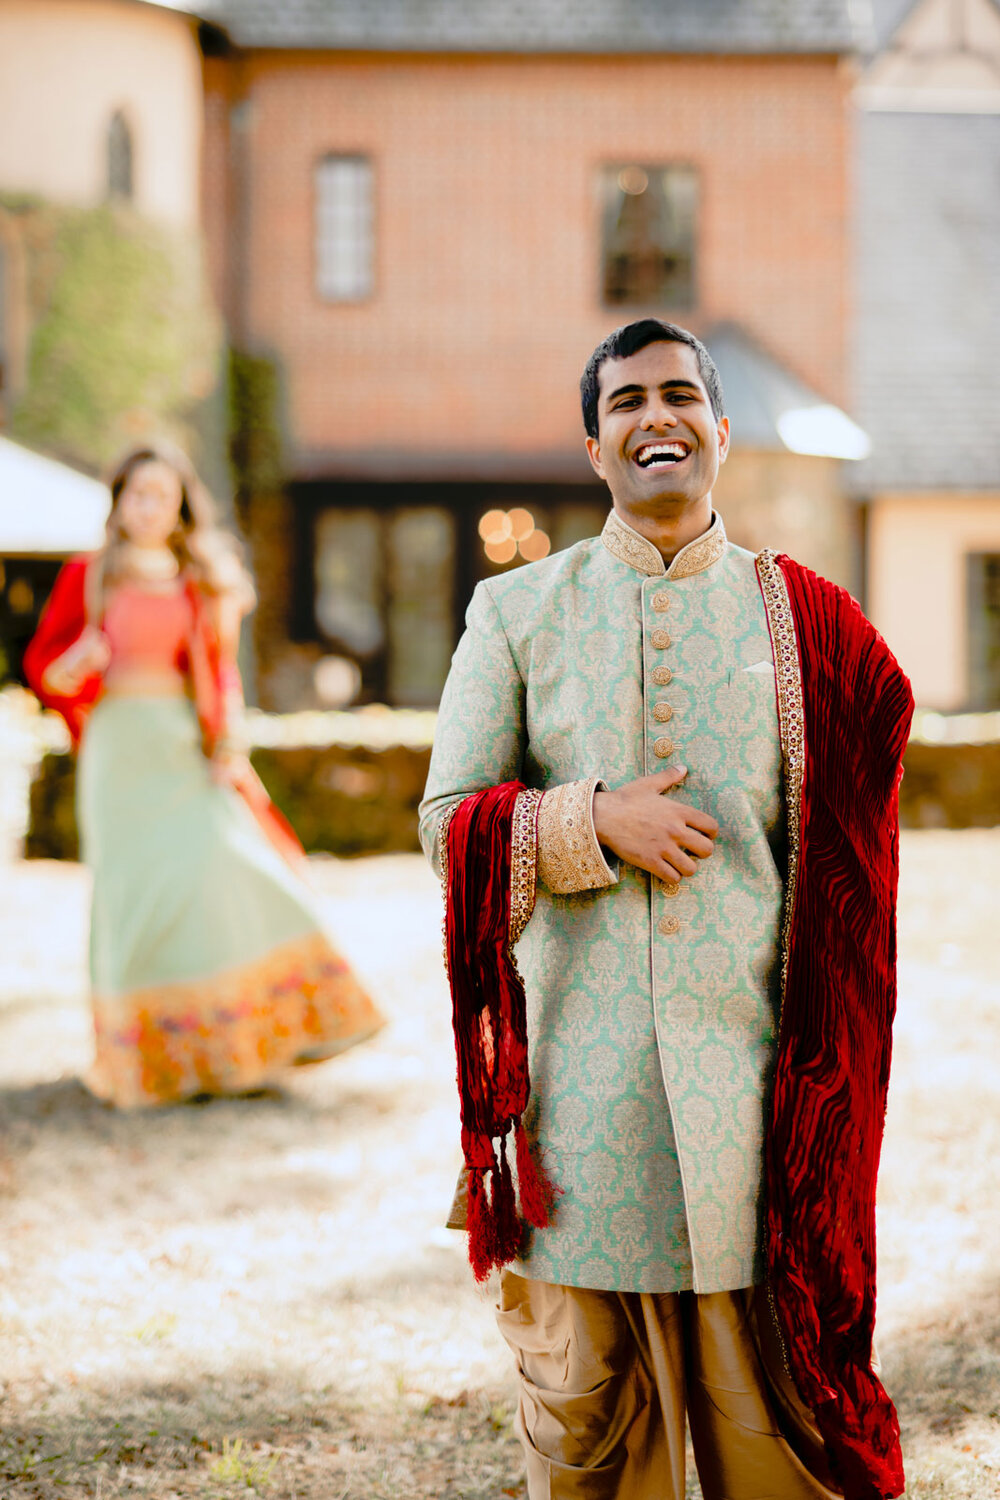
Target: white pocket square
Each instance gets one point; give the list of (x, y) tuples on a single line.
[(761, 666)]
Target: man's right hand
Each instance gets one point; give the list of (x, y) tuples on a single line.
[(653, 832)]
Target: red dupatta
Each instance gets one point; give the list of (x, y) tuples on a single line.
[(62, 622), (847, 733)]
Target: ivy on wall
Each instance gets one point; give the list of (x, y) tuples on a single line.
[(254, 427), (125, 342)]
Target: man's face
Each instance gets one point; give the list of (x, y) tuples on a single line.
[(659, 446)]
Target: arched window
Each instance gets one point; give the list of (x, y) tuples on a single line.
[(119, 157)]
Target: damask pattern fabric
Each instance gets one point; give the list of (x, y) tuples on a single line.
[(651, 1010)]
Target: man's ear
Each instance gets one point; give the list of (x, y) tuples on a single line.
[(723, 439), (594, 454)]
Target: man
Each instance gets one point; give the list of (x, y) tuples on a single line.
[(693, 754)]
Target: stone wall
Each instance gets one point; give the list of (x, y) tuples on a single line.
[(950, 786), (352, 799), (344, 800)]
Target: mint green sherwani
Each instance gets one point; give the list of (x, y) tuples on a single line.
[(652, 1009)]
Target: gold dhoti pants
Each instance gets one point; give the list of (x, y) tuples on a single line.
[(606, 1378)]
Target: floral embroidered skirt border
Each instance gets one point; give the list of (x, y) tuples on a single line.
[(210, 972)]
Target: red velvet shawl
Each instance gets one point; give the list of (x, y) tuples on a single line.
[(824, 1132), (484, 916)]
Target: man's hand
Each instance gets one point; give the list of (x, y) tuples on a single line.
[(655, 833)]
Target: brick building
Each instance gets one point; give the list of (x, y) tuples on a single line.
[(420, 218), (424, 218)]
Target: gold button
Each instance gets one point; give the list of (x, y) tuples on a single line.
[(663, 748), (668, 926), (662, 675), (662, 713), (661, 602), (670, 887), (660, 639)]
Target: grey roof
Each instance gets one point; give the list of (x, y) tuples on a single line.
[(769, 407), (888, 16), (927, 375), (569, 26)]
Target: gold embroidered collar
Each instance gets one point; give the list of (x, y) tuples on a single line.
[(631, 548)]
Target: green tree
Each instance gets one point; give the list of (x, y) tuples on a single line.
[(125, 341)]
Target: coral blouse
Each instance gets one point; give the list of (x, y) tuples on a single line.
[(148, 631), (151, 630), (145, 630)]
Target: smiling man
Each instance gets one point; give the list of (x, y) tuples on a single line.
[(663, 802)]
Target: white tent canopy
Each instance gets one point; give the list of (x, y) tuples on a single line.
[(46, 508)]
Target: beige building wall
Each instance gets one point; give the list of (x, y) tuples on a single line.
[(66, 66), (917, 585), (945, 56)]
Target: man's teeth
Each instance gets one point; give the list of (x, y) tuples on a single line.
[(661, 453)]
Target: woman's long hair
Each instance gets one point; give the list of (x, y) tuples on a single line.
[(205, 552)]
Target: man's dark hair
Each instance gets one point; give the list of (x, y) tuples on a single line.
[(629, 340)]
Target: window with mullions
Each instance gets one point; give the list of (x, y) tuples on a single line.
[(983, 596), (392, 568), (384, 596), (648, 236), (345, 228)]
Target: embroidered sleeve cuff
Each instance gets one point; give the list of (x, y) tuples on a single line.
[(569, 857)]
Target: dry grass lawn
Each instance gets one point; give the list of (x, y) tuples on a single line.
[(255, 1296)]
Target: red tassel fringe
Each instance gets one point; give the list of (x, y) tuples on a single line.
[(508, 1226), (496, 1232), (536, 1193), (479, 1222)]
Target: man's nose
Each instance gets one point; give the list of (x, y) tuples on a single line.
[(658, 415)]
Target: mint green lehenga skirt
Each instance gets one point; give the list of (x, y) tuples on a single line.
[(209, 968)]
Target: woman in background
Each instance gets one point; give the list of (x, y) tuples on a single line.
[(209, 970)]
